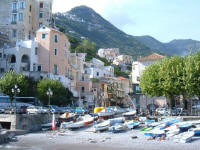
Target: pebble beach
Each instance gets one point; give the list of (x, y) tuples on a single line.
[(85, 139)]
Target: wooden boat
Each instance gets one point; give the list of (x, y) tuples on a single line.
[(72, 125), (132, 124), (67, 117)]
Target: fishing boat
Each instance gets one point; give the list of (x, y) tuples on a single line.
[(146, 129), (67, 117), (117, 127), (102, 126), (46, 126), (196, 131), (132, 124)]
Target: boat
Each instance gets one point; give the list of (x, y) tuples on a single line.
[(72, 125), (102, 126), (47, 126), (185, 127), (155, 133), (129, 113), (67, 117), (87, 120), (117, 127), (146, 129), (116, 120), (105, 113), (132, 124), (196, 131), (184, 137)]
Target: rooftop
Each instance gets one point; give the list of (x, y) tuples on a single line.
[(151, 57)]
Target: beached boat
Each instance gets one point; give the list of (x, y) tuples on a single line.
[(72, 125), (117, 127), (185, 127), (47, 126), (132, 124), (105, 114), (146, 129), (196, 131), (184, 137), (130, 113), (102, 126), (67, 117), (116, 120)]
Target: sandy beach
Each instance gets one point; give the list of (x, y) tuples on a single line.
[(84, 139)]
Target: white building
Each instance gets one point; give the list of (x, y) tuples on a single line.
[(123, 60), (96, 69), (110, 54), (139, 66)]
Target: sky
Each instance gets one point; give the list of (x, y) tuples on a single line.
[(165, 20)]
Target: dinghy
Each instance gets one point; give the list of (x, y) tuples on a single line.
[(102, 126), (117, 127), (184, 137), (132, 124)]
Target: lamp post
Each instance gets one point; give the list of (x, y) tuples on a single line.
[(15, 91), (49, 93)]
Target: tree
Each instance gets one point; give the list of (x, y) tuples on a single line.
[(192, 71), (61, 95), (9, 80)]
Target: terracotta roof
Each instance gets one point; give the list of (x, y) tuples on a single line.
[(153, 56), (122, 78)]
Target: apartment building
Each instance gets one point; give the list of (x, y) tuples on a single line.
[(110, 53), (19, 19)]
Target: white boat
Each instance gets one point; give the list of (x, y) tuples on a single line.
[(102, 126), (184, 137), (117, 127), (105, 114), (72, 125), (116, 120), (130, 113), (132, 124)]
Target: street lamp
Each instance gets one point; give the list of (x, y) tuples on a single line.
[(49, 93), (15, 91)]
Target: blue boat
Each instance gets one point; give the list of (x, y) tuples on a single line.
[(185, 127)]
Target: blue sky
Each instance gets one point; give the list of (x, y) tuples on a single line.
[(165, 20)]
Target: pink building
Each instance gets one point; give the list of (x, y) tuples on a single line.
[(53, 51)]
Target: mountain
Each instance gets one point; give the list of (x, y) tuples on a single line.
[(179, 47), (83, 22)]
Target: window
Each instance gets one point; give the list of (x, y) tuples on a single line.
[(0, 55), (40, 24), (36, 51), (21, 16), (43, 36), (55, 51), (97, 73), (4, 55), (55, 69), (29, 35), (39, 68), (14, 17), (14, 33), (41, 5), (30, 7), (138, 78), (56, 39), (14, 6), (2, 70), (22, 5), (34, 67), (29, 19), (41, 15), (83, 89)]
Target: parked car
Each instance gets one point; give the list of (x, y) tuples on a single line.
[(80, 110), (23, 109), (43, 110), (33, 110), (179, 112), (2, 110), (11, 110), (196, 106), (162, 111), (55, 109), (67, 109)]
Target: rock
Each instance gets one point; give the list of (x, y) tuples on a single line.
[(93, 141), (107, 138), (134, 137)]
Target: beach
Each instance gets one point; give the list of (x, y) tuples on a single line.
[(84, 139)]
